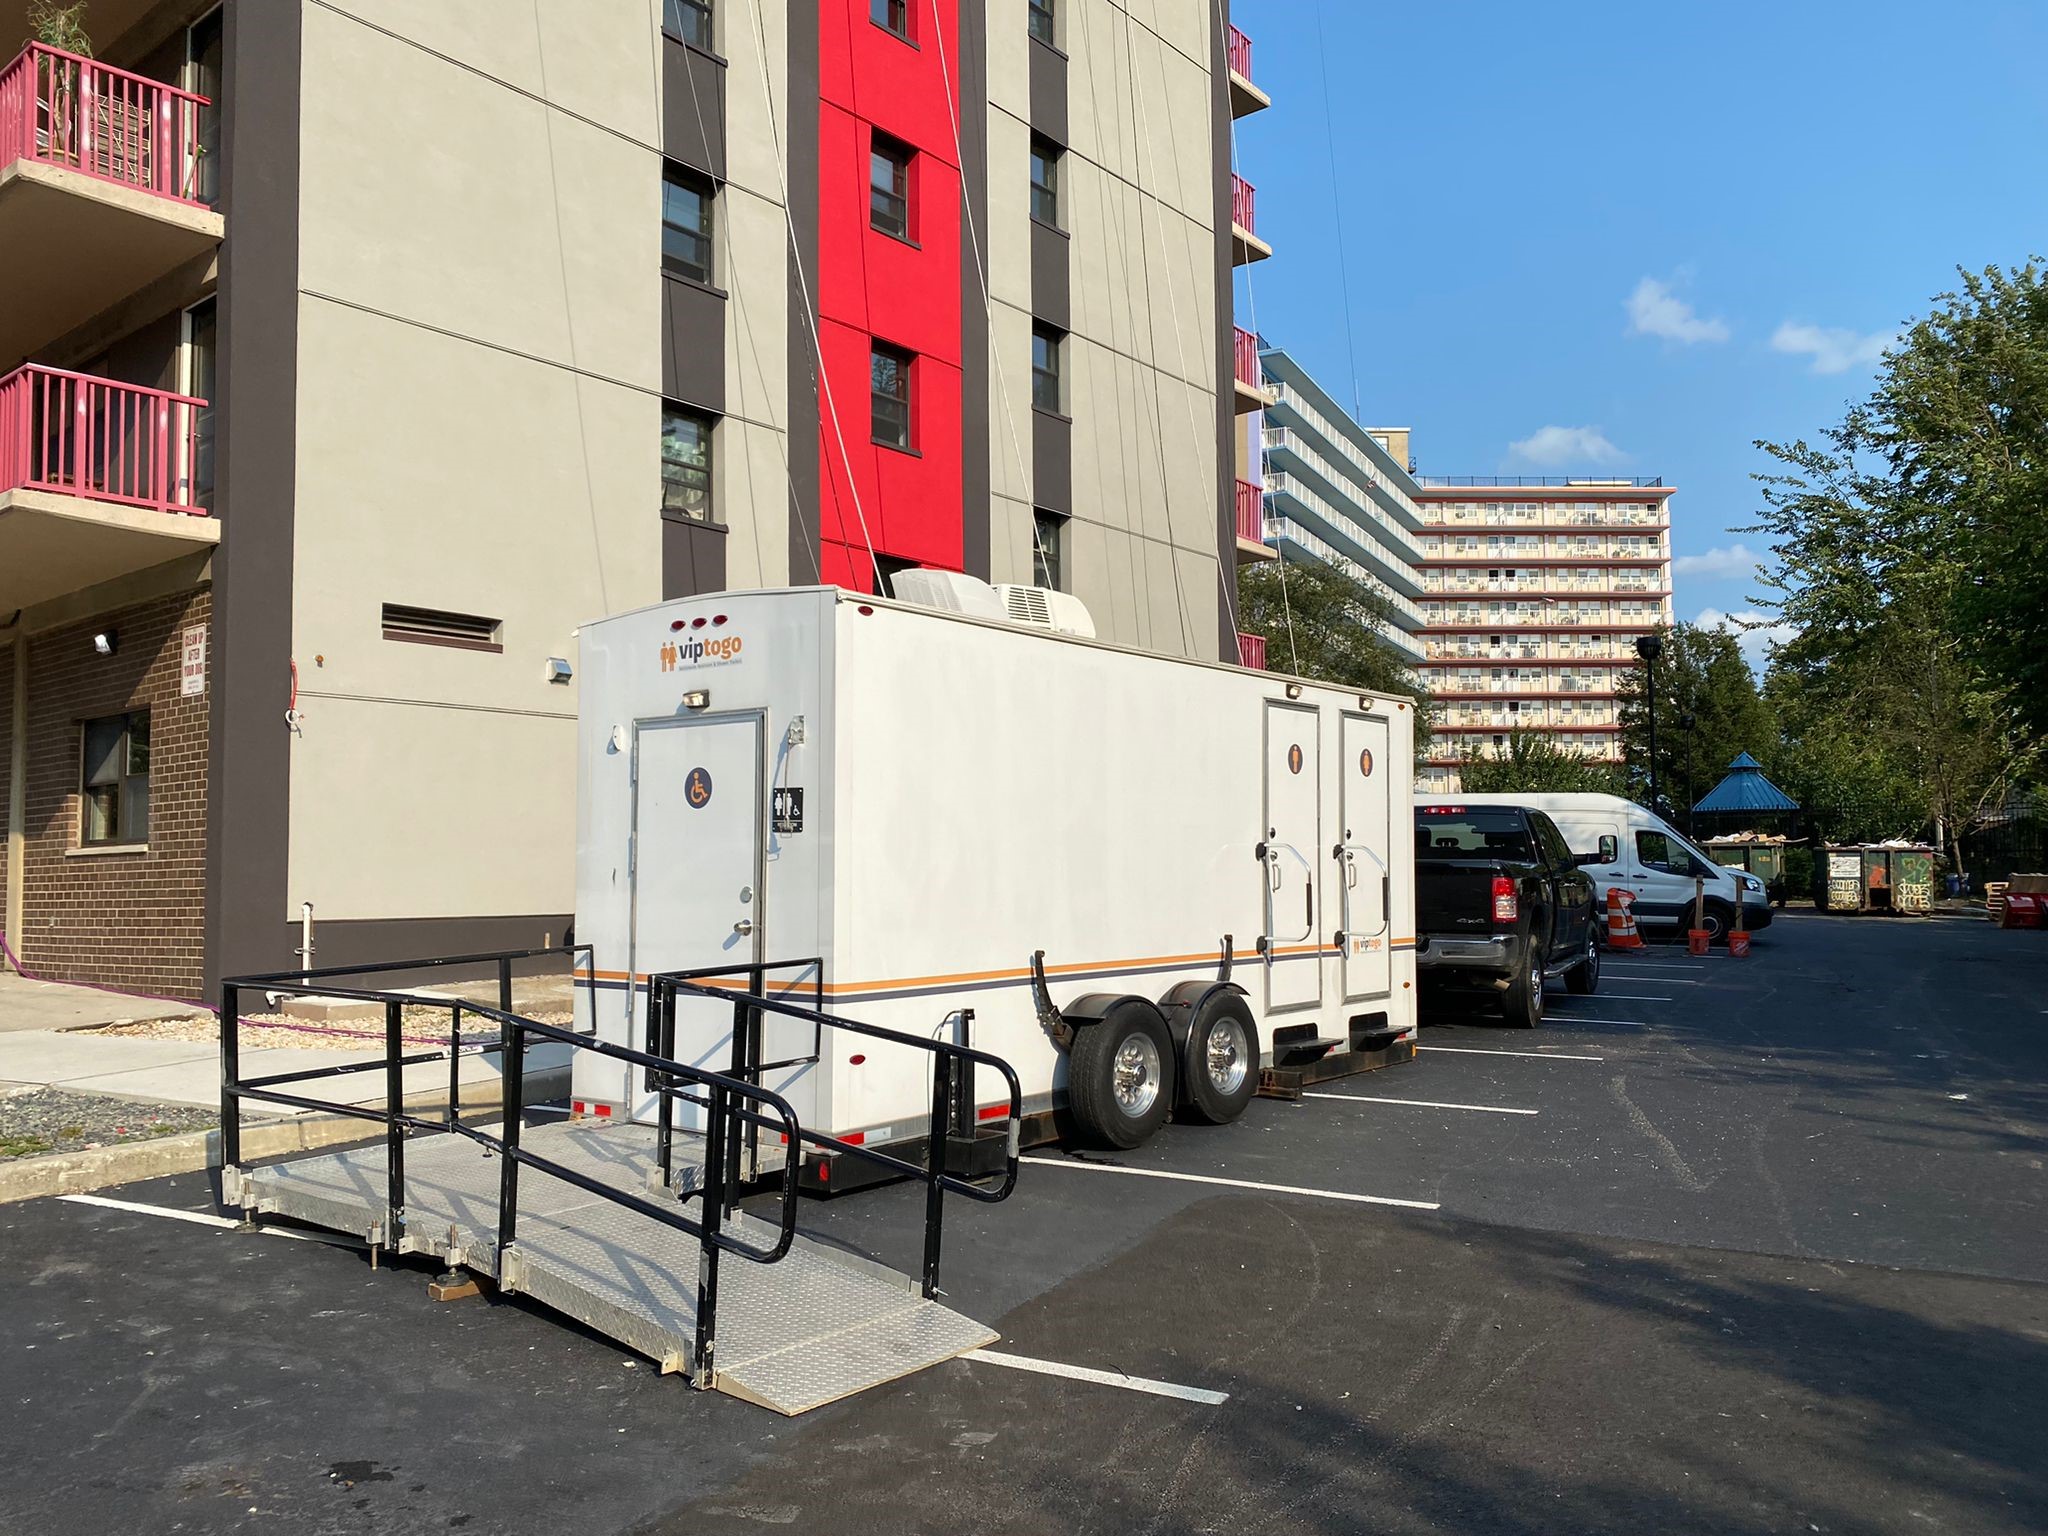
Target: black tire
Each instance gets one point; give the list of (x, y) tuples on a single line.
[(1717, 920), (1583, 979), (1522, 1004), (1221, 1063), (1120, 1075)]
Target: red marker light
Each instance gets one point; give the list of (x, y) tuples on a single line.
[(717, 619), (678, 624), (863, 610), (854, 1061), (697, 622)]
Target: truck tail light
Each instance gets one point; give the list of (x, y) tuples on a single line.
[(1505, 907)]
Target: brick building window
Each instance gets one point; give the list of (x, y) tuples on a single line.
[(686, 463), (686, 200), (114, 779), (889, 388), (889, 186), (1045, 182)]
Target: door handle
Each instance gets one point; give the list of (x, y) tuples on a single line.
[(743, 927)]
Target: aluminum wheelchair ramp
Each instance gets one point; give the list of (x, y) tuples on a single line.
[(813, 1327)]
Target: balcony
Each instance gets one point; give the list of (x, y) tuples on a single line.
[(1251, 526), (1245, 98), (103, 188), (1245, 245), (97, 480), (1251, 651), (1251, 389)]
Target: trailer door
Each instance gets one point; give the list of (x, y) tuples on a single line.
[(696, 874), (1364, 858), (1289, 863)]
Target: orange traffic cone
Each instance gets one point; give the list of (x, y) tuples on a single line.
[(1621, 919)]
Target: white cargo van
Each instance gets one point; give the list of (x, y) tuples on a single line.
[(1644, 854)]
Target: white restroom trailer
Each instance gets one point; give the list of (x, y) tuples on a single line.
[(902, 809)]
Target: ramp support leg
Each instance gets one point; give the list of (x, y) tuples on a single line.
[(705, 1366), (394, 1129), (935, 1169)]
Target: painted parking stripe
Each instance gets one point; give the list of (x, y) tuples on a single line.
[(201, 1218), (1617, 997), (1474, 1050), (1369, 1098), (1207, 1178), (1655, 981), (1642, 967), (1101, 1378)]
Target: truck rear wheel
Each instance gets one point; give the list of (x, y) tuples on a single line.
[(1522, 1004), (1583, 979), (1120, 1075), (1222, 1059)]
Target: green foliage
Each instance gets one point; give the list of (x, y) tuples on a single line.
[(1323, 624), (1908, 549), (1700, 677), (1533, 764), (59, 26)]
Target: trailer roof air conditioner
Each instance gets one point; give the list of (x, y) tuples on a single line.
[(949, 592), (1046, 608)]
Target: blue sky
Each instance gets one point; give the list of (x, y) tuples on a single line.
[(1593, 238)]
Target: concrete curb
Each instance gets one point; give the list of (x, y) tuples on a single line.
[(77, 1173)]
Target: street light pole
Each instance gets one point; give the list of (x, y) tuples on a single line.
[(1649, 648)]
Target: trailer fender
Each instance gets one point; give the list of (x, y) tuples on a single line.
[(1181, 1006), (1097, 1006)]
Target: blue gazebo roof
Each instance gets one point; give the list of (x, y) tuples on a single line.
[(1746, 789)]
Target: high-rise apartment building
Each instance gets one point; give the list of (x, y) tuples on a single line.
[(353, 352), (1536, 592), (1340, 494)]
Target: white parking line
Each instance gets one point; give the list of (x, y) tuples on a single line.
[(1369, 1098), (1619, 997), (1102, 1378), (1204, 1178), (1474, 1050), (201, 1218), (1642, 966), (1657, 981)]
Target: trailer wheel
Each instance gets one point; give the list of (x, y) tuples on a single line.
[(1120, 1075), (1222, 1059)]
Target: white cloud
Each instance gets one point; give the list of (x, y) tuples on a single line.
[(1735, 560), (1831, 348), (1654, 310), (1554, 447), (1755, 644)]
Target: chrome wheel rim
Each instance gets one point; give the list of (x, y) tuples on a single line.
[(1137, 1075), (1227, 1058)]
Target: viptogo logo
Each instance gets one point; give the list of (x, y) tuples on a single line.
[(700, 651)]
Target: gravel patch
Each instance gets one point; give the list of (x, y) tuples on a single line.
[(423, 1026), (53, 1120)]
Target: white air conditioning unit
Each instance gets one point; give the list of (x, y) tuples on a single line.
[(949, 592), (1044, 608)]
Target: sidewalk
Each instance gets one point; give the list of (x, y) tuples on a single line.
[(26, 1004)]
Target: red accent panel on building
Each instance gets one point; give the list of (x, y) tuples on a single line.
[(871, 286)]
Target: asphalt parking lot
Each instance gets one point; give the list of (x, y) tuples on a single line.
[(1733, 1246)]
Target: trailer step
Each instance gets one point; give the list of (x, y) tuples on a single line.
[(1302, 1050), (815, 1327)]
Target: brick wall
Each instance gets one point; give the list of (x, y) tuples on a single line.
[(124, 919)]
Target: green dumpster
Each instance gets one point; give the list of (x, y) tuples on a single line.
[(1913, 880), (1839, 887)]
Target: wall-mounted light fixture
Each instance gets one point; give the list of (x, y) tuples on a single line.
[(106, 642), (697, 698), (559, 670)]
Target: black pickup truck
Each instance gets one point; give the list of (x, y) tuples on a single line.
[(1501, 902)]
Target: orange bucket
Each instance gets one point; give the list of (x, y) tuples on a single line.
[(1738, 944), (1697, 941)]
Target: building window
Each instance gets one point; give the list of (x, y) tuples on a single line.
[(889, 186), (889, 385), (891, 16), (1042, 22), (114, 781), (686, 464), (201, 381), (1045, 369), (1045, 182), (686, 223), (1048, 547), (688, 21)]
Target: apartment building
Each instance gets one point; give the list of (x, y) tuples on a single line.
[(1536, 591), (357, 351), (1340, 494)]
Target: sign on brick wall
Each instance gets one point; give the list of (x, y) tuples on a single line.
[(192, 670)]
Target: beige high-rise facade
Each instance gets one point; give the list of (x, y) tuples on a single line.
[(354, 352), (1535, 592)]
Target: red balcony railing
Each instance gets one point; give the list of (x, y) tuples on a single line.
[(1251, 651), (80, 436), (1247, 358), (59, 109), (1238, 48), (1243, 199), (1250, 507)]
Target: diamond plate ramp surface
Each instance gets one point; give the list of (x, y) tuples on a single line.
[(816, 1326)]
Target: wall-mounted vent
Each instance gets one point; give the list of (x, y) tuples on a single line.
[(435, 626)]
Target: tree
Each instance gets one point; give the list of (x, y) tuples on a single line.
[(1907, 549), (1533, 764), (1322, 623), (1702, 677)]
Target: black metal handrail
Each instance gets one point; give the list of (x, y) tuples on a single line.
[(948, 1108), (730, 1103)]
